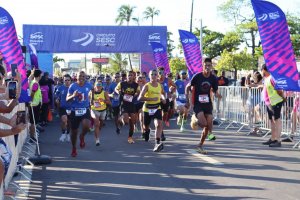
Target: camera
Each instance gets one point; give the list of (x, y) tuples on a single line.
[(21, 117), (12, 89)]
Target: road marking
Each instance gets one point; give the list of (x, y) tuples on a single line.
[(205, 157)]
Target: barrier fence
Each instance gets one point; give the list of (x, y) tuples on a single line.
[(243, 107)]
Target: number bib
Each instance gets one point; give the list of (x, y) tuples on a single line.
[(152, 111), (203, 98), (80, 111), (128, 98), (181, 97), (98, 104)]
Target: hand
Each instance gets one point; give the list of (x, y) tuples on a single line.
[(18, 128), (219, 96), (75, 94), (13, 120)]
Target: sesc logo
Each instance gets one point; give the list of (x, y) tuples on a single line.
[(154, 36), (37, 36), (191, 41), (263, 17), (4, 20), (282, 82), (158, 50), (274, 15), (86, 40)]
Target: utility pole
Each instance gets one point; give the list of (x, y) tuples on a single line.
[(191, 20)]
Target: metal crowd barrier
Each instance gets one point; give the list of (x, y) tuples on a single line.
[(243, 107), (21, 151)]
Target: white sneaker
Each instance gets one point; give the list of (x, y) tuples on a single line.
[(97, 142), (63, 137), (68, 138)]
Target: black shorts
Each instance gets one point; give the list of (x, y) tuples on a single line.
[(205, 108), (165, 107), (116, 111), (171, 104), (128, 109), (76, 120), (274, 111), (148, 118), (36, 112), (63, 111), (139, 106)]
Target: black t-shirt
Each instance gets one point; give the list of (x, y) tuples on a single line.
[(202, 87), (128, 91)]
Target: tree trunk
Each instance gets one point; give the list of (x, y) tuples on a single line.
[(130, 62)]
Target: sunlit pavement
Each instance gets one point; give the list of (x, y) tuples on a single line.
[(236, 167)]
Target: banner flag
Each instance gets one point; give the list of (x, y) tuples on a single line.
[(11, 50), (147, 62), (277, 46), (160, 56), (33, 56), (192, 53)]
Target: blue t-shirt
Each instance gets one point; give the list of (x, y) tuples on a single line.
[(61, 94), (115, 101), (165, 84), (82, 100)]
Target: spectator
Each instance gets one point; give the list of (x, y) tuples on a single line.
[(222, 80)]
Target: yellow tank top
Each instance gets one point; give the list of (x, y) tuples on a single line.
[(98, 101), (152, 93)]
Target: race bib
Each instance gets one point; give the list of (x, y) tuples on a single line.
[(80, 111), (152, 111), (98, 104), (181, 97), (203, 98), (128, 98)]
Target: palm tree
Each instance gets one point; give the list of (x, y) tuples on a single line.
[(136, 20), (150, 12), (118, 62), (125, 14)]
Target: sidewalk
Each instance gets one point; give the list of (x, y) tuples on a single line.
[(245, 169)]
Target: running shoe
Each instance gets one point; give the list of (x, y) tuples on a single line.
[(211, 136), (147, 135), (201, 150), (118, 131), (82, 143), (97, 142), (194, 122), (130, 140), (63, 137), (74, 152), (269, 142), (68, 138), (276, 143), (158, 147)]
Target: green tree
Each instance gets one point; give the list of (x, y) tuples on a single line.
[(294, 28), (177, 64), (170, 46), (125, 14), (150, 12), (234, 61), (118, 62), (56, 59)]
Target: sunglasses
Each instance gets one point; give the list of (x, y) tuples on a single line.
[(153, 74)]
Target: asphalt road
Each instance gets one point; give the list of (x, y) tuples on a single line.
[(236, 167)]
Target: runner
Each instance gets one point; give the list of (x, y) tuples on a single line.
[(141, 80), (202, 84), (78, 94), (181, 99), (64, 108), (115, 100), (152, 94), (128, 90), (99, 101)]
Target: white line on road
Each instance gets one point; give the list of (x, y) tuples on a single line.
[(205, 157)]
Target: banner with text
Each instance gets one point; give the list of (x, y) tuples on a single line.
[(160, 56), (11, 50), (192, 52), (277, 46)]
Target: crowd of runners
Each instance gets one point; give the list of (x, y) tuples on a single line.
[(132, 100)]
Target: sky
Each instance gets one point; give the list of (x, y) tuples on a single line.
[(175, 14)]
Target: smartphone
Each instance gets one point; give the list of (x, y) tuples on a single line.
[(21, 117), (13, 68), (12, 89)]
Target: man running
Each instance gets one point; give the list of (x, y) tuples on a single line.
[(115, 100), (181, 99), (202, 84), (64, 108), (99, 101), (128, 90), (152, 94), (78, 94)]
